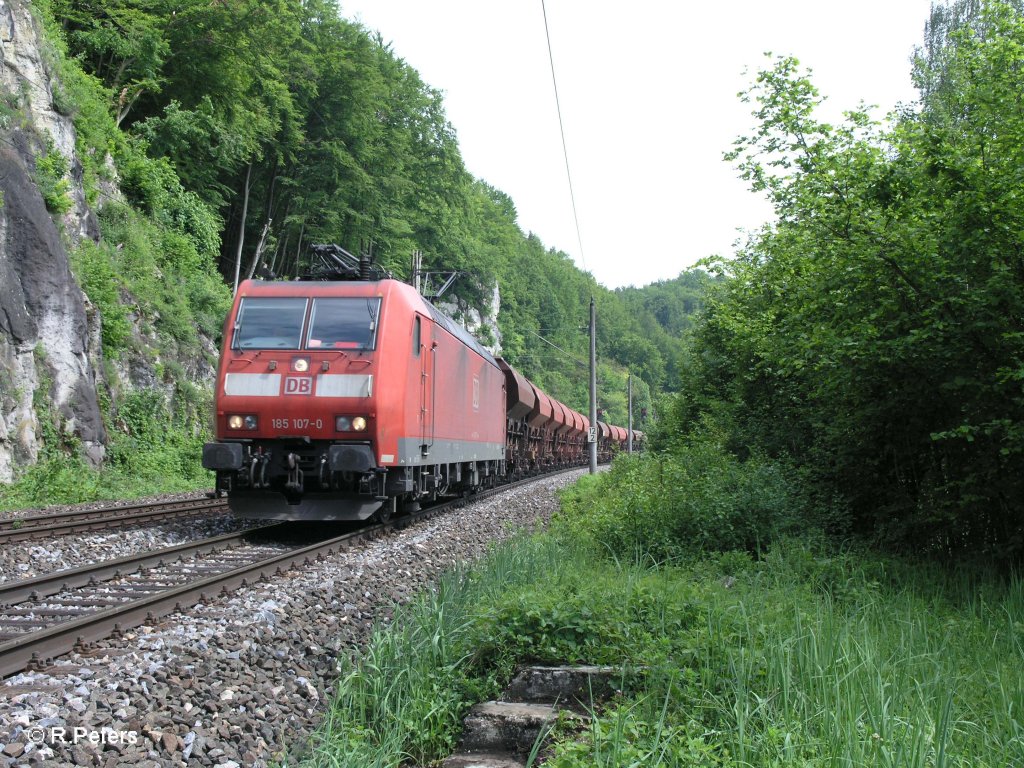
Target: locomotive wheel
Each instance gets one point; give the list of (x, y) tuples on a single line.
[(386, 511)]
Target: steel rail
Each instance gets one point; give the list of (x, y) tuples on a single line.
[(39, 646), (48, 584), (61, 523), (60, 638)]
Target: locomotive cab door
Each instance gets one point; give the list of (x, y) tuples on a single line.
[(423, 348)]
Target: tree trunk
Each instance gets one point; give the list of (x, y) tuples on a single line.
[(298, 247), (259, 248), (280, 251), (241, 227)]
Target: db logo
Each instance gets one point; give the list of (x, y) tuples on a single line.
[(298, 385)]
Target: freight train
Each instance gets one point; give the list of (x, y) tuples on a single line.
[(354, 397)]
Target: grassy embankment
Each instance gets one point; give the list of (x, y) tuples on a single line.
[(803, 654)]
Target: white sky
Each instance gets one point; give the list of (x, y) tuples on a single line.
[(648, 94)]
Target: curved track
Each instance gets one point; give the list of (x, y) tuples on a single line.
[(50, 615)]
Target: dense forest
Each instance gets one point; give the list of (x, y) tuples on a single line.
[(254, 128), (871, 339)]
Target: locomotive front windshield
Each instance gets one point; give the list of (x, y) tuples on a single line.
[(269, 323), (349, 323)]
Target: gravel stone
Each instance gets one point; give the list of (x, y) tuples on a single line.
[(246, 677), (25, 560)]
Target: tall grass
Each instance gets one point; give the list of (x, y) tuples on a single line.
[(925, 672), (672, 506), (802, 656), (402, 698), (812, 659)]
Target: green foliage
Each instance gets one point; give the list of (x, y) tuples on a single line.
[(51, 171), (169, 277), (56, 445), (853, 684), (81, 96), (155, 445), (807, 655), (67, 478), (872, 333), (121, 42), (664, 313), (637, 734), (96, 275), (698, 498), (592, 615), (174, 243), (814, 657), (153, 439), (55, 479)]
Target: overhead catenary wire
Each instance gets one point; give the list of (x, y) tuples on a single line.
[(561, 128), (564, 352)]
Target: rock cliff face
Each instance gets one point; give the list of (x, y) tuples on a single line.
[(48, 343), (482, 325)]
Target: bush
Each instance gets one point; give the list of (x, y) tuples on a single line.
[(696, 499), (152, 438), (155, 263), (99, 280), (155, 447), (587, 614), (51, 176)]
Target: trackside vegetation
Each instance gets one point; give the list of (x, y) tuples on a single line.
[(873, 334), (800, 653), (152, 281)]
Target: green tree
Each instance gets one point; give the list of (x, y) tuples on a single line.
[(123, 43), (874, 331)]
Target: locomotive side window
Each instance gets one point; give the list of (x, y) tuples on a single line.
[(269, 323), (416, 336), (347, 323)]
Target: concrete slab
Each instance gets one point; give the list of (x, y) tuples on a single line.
[(505, 726), (565, 684), (480, 760)]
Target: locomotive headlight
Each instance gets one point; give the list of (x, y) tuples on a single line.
[(234, 422), (349, 423), (300, 364), (250, 422)]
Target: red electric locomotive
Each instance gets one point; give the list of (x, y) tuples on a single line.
[(338, 399), (341, 399)]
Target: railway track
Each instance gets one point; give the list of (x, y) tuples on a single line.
[(50, 615), (78, 521)]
